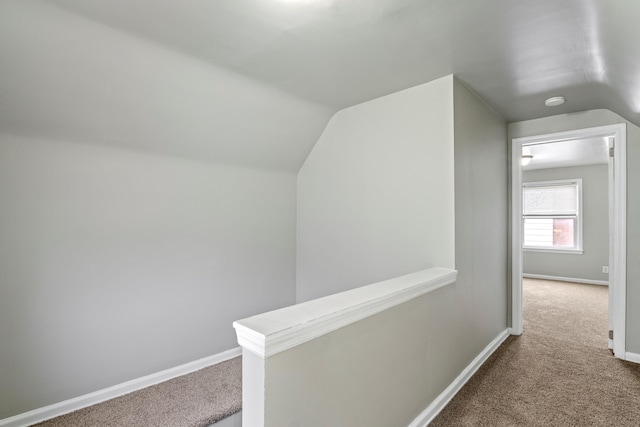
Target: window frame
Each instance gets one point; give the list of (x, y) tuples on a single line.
[(579, 219)]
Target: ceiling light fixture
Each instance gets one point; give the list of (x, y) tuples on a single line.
[(554, 100), (526, 159)]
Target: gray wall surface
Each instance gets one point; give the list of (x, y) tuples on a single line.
[(381, 371), (593, 118), (595, 218), (116, 264), (481, 215), (453, 324), (375, 196)]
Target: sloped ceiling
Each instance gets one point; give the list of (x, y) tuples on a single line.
[(64, 77), (329, 54)]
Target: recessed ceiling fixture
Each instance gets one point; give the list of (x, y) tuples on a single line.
[(554, 100), (526, 159)]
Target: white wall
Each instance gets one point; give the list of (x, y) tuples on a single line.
[(595, 222), (593, 118), (115, 264), (375, 196)]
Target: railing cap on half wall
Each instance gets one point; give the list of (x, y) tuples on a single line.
[(279, 330)]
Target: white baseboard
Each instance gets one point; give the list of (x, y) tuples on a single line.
[(566, 279), (441, 401), (61, 408), (632, 357)]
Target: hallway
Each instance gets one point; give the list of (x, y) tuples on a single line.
[(558, 373)]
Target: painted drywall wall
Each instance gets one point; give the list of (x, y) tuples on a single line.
[(381, 365), (365, 176), (69, 78), (481, 236), (595, 223), (375, 195), (593, 118), (115, 264)]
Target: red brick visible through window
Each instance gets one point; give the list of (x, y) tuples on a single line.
[(563, 232)]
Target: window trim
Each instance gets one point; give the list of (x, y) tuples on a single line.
[(577, 249)]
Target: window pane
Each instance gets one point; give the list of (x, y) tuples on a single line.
[(563, 232), (538, 232), (553, 200), (549, 232)]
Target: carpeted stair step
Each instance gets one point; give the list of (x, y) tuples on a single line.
[(198, 399)]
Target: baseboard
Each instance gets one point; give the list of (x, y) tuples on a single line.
[(441, 401), (61, 408), (566, 279), (632, 357)]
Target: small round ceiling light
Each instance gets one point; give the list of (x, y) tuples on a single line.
[(554, 101)]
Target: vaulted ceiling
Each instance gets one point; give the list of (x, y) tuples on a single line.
[(299, 61)]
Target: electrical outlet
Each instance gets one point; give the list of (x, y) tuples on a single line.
[(605, 268)]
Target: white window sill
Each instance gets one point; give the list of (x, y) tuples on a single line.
[(555, 251)]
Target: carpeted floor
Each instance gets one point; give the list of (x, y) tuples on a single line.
[(558, 373), (194, 400)]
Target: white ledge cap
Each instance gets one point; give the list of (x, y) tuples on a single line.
[(279, 330)]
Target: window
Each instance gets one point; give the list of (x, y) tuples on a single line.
[(552, 215)]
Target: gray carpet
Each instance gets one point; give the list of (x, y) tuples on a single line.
[(558, 373), (194, 400)]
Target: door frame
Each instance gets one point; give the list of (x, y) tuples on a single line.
[(617, 225)]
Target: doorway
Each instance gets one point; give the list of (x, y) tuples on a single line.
[(615, 137)]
